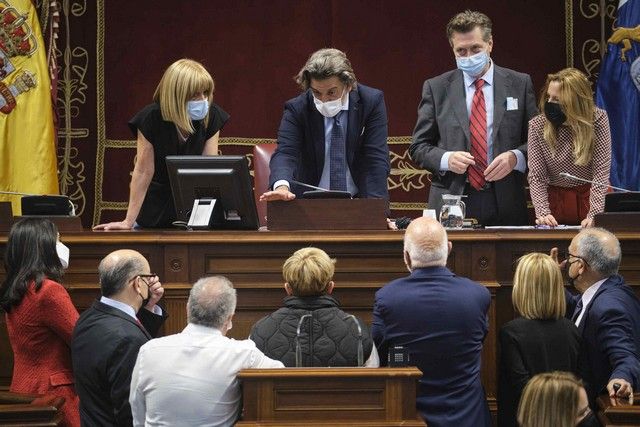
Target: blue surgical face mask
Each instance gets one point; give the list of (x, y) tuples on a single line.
[(474, 64), (198, 109)]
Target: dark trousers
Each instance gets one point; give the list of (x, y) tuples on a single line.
[(482, 205)]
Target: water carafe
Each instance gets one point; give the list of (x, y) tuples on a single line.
[(452, 211)]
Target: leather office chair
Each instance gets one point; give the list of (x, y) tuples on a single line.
[(261, 156)]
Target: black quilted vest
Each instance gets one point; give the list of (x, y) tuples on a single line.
[(328, 337)]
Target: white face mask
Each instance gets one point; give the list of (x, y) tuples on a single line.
[(63, 254), (330, 108)]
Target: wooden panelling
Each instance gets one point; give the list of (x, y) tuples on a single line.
[(365, 262)]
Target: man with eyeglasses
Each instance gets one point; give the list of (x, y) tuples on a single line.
[(606, 312), (108, 335)]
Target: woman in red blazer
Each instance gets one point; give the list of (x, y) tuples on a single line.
[(39, 313)]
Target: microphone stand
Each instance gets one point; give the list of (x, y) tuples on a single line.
[(298, 349), (575, 178)]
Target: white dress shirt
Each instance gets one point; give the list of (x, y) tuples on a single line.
[(587, 296), (326, 175), (189, 379)]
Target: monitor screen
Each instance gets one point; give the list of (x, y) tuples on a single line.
[(223, 178)]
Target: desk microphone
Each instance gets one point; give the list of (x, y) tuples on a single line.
[(600, 184), (360, 347), (16, 193), (308, 185), (298, 349)]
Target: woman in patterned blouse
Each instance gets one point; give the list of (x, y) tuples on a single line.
[(571, 136)]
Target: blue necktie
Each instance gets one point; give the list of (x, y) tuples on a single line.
[(577, 311), (337, 161)]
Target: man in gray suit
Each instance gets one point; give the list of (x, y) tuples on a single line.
[(471, 132)]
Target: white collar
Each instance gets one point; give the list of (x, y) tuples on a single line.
[(487, 77), (588, 295), (119, 305)]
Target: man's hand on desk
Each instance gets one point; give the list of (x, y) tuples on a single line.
[(280, 193)]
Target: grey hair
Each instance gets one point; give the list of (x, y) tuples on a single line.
[(211, 301), (326, 63), (427, 257), (592, 247), (114, 276)]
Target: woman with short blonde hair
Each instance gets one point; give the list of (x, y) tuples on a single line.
[(311, 329), (554, 399), (571, 136), (538, 292), (308, 272), (542, 340), (182, 120)]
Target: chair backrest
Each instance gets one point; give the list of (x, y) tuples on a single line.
[(261, 156)]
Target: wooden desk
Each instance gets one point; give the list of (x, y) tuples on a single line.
[(619, 412), (30, 410), (253, 262), (330, 396)]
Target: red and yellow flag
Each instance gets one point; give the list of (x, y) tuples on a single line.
[(27, 143)]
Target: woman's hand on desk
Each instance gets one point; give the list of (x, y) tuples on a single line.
[(549, 220), (280, 193), (118, 225), (587, 222)]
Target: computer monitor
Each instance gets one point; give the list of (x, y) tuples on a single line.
[(198, 181), (622, 202)]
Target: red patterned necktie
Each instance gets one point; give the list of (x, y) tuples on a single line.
[(478, 130)]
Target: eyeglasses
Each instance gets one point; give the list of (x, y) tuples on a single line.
[(568, 255), (145, 276)]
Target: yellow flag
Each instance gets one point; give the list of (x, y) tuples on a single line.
[(27, 144)]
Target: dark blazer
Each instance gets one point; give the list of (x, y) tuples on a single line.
[(529, 347), (301, 147), (104, 349), (610, 330), (441, 319), (443, 125)]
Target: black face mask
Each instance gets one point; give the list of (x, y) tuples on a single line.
[(589, 421), (145, 301), (567, 266), (553, 113)]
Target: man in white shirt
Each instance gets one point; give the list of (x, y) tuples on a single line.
[(189, 379), (606, 312)]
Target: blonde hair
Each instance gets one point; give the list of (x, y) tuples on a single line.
[(308, 272), (538, 291), (180, 82), (550, 399), (576, 101)]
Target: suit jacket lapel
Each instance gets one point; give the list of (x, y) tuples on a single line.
[(501, 86), (457, 93), (121, 314), (316, 121), (612, 281), (354, 125)]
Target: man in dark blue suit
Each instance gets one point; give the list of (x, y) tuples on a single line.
[(607, 314), (333, 135), (441, 319)]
